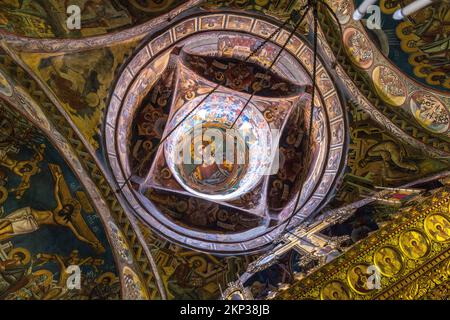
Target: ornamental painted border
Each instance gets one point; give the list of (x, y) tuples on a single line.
[(411, 85)]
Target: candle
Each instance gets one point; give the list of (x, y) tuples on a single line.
[(411, 8), (362, 9)]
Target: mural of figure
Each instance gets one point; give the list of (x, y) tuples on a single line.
[(24, 169), (183, 282), (335, 290), (388, 260), (59, 287), (77, 83), (425, 38), (107, 288), (67, 214), (358, 278), (391, 154), (41, 199), (13, 272)]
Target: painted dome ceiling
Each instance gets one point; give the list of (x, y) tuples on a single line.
[(234, 196), (48, 19), (181, 148)]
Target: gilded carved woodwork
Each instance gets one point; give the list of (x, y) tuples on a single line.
[(412, 255)]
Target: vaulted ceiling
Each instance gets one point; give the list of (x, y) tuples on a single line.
[(94, 121)]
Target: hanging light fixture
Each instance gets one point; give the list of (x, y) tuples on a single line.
[(400, 14), (415, 6)]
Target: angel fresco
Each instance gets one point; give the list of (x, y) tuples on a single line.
[(78, 84), (66, 214)]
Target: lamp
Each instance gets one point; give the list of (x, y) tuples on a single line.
[(362, 9), (398, 15), (411, 8)]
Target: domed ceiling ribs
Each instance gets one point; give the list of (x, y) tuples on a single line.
[(143, 81)]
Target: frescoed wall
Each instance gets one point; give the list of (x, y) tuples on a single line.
[(377, 159), (81, 82), (191, 275), (47, 222), (279, 8), (48, 18), (419, 45)]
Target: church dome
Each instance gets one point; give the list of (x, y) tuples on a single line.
[(212, 158)]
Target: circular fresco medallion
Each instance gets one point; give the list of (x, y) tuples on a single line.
[(334, 290), (389, 86), (6, 131), (343, 9), (437, 227), (429, 111), (388, 260), (358, 48), (24, 252), (414, 244), (359, 279), (44, 277)]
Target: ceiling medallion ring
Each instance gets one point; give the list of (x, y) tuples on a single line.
[(292, 71)]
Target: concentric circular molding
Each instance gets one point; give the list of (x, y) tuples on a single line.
[(142, 72)]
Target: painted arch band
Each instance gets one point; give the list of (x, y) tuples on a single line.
[(212, 207)]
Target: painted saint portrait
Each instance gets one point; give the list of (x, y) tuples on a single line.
[(437, 227), (334, 290), (358, 278), (388, 260), (414, 244)]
